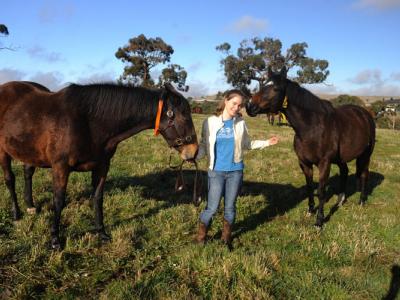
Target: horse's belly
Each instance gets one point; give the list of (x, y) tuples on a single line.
[(26, 151)]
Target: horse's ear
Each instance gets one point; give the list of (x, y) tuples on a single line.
[(169, 87), (284, 72)]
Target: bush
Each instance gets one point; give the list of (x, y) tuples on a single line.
[(387, 122), (347, 99)]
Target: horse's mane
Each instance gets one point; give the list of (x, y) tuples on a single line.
[(303, 98), (110, 101)]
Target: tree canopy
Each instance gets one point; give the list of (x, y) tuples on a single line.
[(3, 32), (142, 54), (254, 56), (3, 29)]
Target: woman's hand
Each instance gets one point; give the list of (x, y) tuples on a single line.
[(273, 141)]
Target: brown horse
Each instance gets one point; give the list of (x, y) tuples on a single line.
[(79, 128), (323, 134)]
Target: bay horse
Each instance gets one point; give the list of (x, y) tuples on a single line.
[(323, 134), (79, 128)]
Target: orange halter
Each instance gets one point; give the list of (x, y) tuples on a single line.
[(158, 117)]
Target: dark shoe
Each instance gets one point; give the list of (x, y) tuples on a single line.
[(202, 233)]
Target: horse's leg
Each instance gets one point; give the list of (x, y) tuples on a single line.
[(324, 170), (308, 173), (9, 178), (344, 171), (100, 174), (28, 173), (60, 180), (362, 174)]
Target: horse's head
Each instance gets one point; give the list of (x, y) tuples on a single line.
[(270, 97), (176, 124)]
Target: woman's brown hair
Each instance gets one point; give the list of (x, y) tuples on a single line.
[(228, 95)]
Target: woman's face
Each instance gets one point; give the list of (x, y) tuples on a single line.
[(233, 106)]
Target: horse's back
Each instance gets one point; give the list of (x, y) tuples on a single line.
[(356, 131), (17, 91)]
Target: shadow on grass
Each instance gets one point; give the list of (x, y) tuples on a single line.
[(280, 198), (284, 197), (375, 179)]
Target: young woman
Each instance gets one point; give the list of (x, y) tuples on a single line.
[(224, 136)]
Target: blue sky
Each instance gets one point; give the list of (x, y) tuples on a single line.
[(57, 42)]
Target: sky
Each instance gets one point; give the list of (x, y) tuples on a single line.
[(60, 42)]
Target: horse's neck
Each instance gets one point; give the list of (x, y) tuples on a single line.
[(298, 119), (119, 130), (301, 119)]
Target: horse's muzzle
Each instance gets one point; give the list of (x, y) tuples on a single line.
[(188, 152), (252, 110)]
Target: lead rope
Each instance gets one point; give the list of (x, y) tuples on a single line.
[(180, 183)]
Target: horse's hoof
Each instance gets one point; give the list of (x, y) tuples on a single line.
[(31, 210), (55, 244), (341, 199), (197, 201), (318, 224), (228, 245), (362, 203), (310, 212), (104, 237), (16, 215)]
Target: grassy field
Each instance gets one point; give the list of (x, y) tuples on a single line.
[(277, 254)]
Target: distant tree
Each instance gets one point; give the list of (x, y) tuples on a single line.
[(3, 32), (347, 99), (219, 96), (174, 73), (254, 56), (141, 55), (378, 106), (3, 29)]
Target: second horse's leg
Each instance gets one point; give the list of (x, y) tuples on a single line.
[(9, 178), (28, 173)]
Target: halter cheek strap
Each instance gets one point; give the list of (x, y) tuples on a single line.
[(158, 117)]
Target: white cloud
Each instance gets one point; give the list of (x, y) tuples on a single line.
[(377, 4), (373, 83), (52, 80), (197, 89), (193, 68), (97, 78), (367, 77), (389, 90), (323, 89), (395, 76), (38, 52), (248, 24), (7, 74)]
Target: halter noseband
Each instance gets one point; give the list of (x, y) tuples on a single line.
[(179, 141)]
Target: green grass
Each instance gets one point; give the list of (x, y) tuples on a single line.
[(278, 254)]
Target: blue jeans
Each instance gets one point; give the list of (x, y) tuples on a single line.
[(221, 183)]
